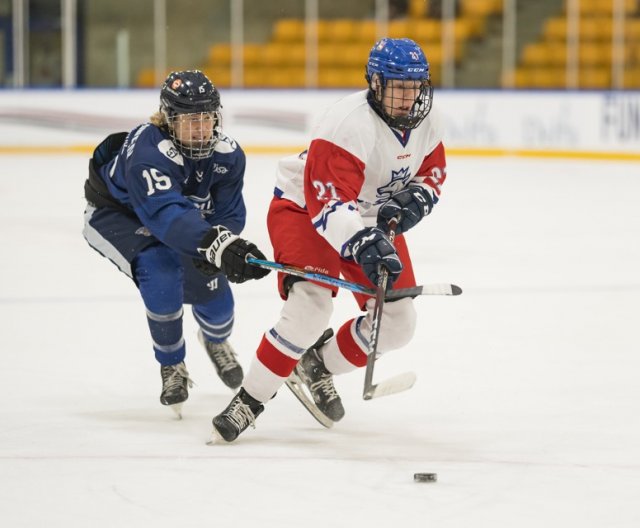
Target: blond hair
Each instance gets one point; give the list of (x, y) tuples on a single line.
[(158, 119)]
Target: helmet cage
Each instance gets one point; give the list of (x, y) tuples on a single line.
[(194, 134), (403, 60), (190, 104), (381, 91)]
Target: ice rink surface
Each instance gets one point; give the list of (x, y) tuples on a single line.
[(527, 403)]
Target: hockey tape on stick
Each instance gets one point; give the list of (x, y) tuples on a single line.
[(400, 293)]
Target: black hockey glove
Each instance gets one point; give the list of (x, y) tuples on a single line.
[(205, 267), (371, 248), (411, 205), (229, 253)]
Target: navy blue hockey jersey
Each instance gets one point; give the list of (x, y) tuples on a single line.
[(178, 199)]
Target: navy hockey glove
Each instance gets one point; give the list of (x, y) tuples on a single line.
[(371, 248), (229, 252), (410, 205)]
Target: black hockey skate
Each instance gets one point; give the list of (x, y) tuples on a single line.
[(239, 414), (225, 361), (318, 381), (175, 380)]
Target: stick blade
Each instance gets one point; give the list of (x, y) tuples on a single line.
[(426, 289), (441, 289), (399, 383)]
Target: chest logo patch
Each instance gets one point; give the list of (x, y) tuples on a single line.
[(398, 181)]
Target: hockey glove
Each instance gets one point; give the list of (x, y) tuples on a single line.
[(205, 267), (229, 253), (371, 248), (410, 205)]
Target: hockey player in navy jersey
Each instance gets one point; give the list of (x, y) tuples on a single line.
[(165, 206), (376, 155)]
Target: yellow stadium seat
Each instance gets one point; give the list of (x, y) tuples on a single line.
[(342, 78), (366, 31), (597, 78), (555, 29), (252, 54), (481, 8), (520, 78), (260, 77), (398, 28), (220, 54), (603, 7), (632, 30), (146, 78), (289, 30), (417, 8), (343, 30), (433, 53), (632, 78), (536, 54), (220, 76), (594, 78), (597, 28), (288, 77), (355, 55), (463, 28), (426, 30), (328, 54)]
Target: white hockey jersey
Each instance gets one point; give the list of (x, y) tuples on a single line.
[(355, 163)]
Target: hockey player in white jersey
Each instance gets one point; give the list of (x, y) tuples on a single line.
[(376, 155)]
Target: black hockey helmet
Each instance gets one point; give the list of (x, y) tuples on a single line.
[(191, 92)]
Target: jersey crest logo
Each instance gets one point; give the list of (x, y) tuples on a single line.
[(204, 205), (399, 180), (199, 176), (170, 151)]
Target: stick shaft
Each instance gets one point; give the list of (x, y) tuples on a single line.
[(377, 318)]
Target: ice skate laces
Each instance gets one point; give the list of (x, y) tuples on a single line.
[(223, 355), (325, 384), (173, 376), (241, 415)]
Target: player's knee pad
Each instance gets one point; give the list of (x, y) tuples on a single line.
[(398, 324), (305, 314)]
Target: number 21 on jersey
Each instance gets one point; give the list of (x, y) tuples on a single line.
[(326, 191)]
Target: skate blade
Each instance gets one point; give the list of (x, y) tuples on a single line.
[(295, 385), (177, 409), (215, 438)]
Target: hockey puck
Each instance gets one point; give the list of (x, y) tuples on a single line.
[(425, 477)]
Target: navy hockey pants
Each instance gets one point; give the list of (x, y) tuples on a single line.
[(166, 281)]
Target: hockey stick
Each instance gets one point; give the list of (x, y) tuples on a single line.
[(428, 289), (400, 382)]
